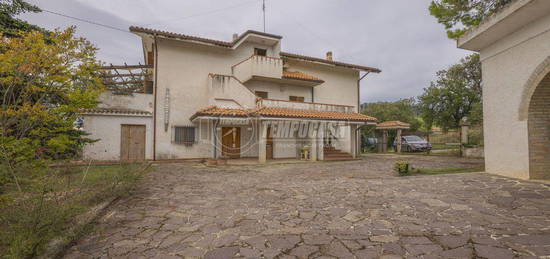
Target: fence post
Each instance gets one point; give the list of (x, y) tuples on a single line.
[(464, 128), (398, 141)]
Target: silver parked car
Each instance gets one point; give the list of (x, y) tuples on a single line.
[(413, 144)]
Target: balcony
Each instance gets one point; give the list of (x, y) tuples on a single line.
[(270, 103), (259, 67)]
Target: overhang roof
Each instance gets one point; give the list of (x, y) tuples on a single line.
[(328, 62), (510, 19), (185, 37), (213, 111), (115, 111), (393, 125), (301, 76)]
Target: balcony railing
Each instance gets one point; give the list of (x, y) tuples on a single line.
[(270, 103), (258, 66)]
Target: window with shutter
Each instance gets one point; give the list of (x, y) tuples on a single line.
[(261, 94)]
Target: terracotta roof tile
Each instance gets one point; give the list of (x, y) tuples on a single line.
[(117, 111), (301, 76), (283, 113), (330, 62), (393, 124)]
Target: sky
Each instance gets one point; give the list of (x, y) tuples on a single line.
[(397, 36)]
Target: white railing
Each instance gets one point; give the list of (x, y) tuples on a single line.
[(260, 66), (226, 91), (270, 103)]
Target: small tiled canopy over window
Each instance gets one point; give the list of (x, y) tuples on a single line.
[(261, 94), (184, 135), (296, 98)]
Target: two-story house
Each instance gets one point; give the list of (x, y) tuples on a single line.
[(216, 99)]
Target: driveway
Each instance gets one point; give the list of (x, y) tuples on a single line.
[(356, 209)]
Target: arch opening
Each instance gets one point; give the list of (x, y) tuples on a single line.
[(538, 121)]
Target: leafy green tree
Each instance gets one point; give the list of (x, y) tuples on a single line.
[(403, 110), (460, 15), (454, 95), (11, 26), (43, 86)]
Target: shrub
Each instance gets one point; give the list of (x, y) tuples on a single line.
[(402, 167)]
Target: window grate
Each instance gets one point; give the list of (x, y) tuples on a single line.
[(184, 135)]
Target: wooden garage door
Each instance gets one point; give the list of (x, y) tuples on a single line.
[(132, 142)]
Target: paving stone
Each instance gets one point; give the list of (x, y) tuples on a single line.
[(304, 251), (491, 252), (422, 249), (384, 238), (348, 209), (461, 252), (452, 241), (337, 249), (220, 253)]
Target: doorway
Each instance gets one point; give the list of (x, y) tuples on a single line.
[(538, 122), (231, 142), (132, 142)]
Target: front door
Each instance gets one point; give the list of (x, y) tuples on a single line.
[(231, 142), (132, 142)]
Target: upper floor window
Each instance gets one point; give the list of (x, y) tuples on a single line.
[(296, 98), (260, 52), (261, 94)]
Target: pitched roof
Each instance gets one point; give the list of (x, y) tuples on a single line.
[(282, 113), (228, 44), (200, 39), (301, 76), (393, 125), (115, 111), (329, 62)]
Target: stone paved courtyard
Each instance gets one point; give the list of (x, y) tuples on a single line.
[(355, 209)]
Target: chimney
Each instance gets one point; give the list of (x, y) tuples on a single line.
[(329, 55), (235, 36)]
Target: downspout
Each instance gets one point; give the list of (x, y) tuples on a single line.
[(357, 135), (359, 91), (155, 101), (312, 95), (215, 133)]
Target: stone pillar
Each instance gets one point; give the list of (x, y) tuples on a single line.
[(464, 128), (262, 142), (314, 143), (384, 141), (398, 141)]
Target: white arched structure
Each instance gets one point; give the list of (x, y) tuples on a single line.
[(515, 57)]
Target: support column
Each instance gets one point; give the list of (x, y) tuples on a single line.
[(398, 141), (353, 139), (314, 143), (262, 142), (384, 141), (321, 142)]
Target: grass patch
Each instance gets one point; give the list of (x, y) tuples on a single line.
[(51, 201), (448, 171)]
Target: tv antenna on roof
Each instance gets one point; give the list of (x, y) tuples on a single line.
[(263, 9)]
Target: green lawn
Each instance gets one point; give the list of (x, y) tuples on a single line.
[(449, 170), (51, 200)]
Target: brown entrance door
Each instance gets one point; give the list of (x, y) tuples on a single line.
[(269, 144), (132, 142), (231, 142)]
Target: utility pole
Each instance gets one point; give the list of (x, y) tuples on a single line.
[(263, 9)]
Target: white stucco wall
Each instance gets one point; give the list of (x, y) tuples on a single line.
[(107, 129), (280, 91), (507, 66)]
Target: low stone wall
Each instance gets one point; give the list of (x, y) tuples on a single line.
[(476, 152)]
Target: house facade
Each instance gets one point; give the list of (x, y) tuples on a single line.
[(514, 47), (246, 98)]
